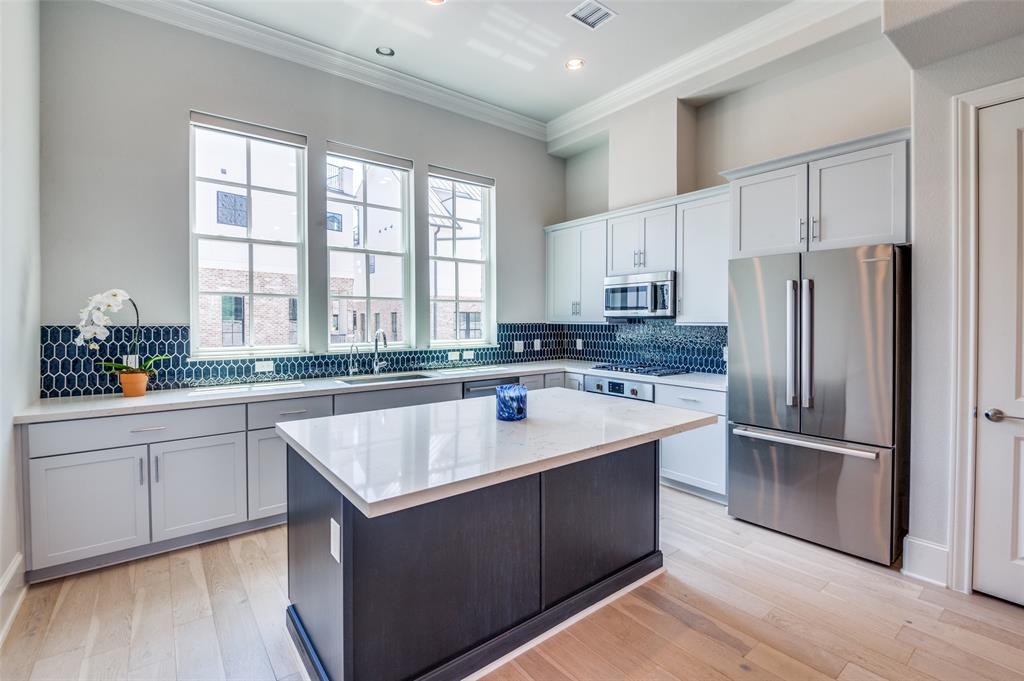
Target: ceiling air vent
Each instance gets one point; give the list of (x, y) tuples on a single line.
[(591, 14)]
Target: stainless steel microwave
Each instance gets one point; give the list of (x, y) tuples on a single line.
[(640, 295)]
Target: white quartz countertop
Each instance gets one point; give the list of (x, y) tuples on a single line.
[(388, 460), (92, 406)]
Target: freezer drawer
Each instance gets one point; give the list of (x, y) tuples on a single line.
[(825, 491)]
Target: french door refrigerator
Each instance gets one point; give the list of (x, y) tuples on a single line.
[(818, 396)]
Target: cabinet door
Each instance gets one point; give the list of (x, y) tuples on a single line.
[(268, 475), (197, 484), (556, 380), (860, 198), (658, 250), (592, 264), (702, 285), (769, 213), (564, 274), (625, 239), (697, 457), (574, 381), (88, 504)]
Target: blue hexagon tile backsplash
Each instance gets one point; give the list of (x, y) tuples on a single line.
[(67, 370)]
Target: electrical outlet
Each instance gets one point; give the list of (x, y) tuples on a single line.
[(536, 344), (454, 356), (130, 360), (468, 354), (725, 353), (335, 540), (264, 366), (517, 346), (579, 343)]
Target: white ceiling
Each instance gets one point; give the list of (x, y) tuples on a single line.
[(510, 54)]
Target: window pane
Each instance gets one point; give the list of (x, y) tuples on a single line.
[(442, 320), (467, 201), (221, 210), (345, 177), (471, 281), (272, 322), (384, 229), (385, 276), (220, 156), (348, 321), (384, 186), (275, 269), (343, 224), (223, 321), (442, 279), (439, 197), (223, 266), (274, 216), (470, 321), (441, 237), (390, 316), (274, 165), (468, 241), (348, 274)]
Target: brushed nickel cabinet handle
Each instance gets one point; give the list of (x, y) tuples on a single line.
[(292, 412), (156, 462), (142, 480), (149, 429)]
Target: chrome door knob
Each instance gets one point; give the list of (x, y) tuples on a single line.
[(997, 415)]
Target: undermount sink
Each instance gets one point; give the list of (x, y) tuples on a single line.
[(381, 378)]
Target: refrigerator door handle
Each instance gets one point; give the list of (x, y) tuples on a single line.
[(806, 343), (871, 454), (791, 359)]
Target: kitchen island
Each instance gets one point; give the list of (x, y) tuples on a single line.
[(425, 542)]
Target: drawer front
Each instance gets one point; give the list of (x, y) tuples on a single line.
[(267, 414), (696, 399), (64, 437)]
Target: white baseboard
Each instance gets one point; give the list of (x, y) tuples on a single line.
[(12, 593), (926, 561), (480, 673)]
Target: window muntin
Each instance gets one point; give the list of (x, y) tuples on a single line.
[(247, 241), (368, 216), (459, 229)]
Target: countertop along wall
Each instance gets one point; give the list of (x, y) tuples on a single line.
[(116, 91)]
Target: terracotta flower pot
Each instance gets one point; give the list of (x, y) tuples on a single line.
[(134, 385)]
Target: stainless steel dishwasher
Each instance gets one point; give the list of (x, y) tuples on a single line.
[(485, 388)]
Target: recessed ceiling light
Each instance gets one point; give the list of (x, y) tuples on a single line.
[(435, 2), (574, 64), (385, 51)]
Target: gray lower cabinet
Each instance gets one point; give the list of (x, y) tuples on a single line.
[(556, 380), (573, 381), (268, 474), (197, 484), (88, 504), (353, 403)]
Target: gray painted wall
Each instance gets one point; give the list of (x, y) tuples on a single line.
[(117, 89), (586, 183), (19, 267)]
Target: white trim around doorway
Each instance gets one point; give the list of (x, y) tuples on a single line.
[(965, 318)]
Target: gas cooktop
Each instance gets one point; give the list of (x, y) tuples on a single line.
[(644, 369)]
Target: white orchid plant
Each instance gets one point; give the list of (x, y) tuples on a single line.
[(92, 328)]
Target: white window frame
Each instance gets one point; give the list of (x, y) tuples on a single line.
[(374, 158), (248, 131), (488, 321)]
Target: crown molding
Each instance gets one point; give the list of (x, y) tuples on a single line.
[(765, 39), (216, 24)]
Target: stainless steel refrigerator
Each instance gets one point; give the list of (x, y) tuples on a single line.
[(818, 396)]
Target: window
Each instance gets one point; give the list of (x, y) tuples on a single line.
[(459, 222), (247, 237), (368, 209)]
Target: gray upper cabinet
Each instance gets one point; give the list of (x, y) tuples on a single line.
[(846, 195), (88, 504), (575, 270), (769, 212), (197, 484), (642, 242), (860, 198)]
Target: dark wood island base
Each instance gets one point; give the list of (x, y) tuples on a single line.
[(440, 590)]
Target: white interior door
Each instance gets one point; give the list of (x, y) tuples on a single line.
[(999, 493)]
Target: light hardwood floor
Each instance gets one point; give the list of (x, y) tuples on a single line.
[(737, 602)]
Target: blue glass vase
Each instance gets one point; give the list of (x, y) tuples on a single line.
[(511, 401)]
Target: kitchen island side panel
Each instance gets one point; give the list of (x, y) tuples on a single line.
[(600, 515), (434, 581)]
